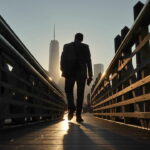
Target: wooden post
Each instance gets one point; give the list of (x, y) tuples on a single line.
[(142, 57), (117, 42), (126, 72)]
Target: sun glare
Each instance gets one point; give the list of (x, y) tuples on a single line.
[(50, 78), (65, 123), (103, 74), (60, 73)]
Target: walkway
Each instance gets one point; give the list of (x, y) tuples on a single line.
[(93, 134)]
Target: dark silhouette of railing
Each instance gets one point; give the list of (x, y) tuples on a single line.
[(123, 93), (27, 93)]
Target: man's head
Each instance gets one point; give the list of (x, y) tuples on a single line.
[(79, 37)]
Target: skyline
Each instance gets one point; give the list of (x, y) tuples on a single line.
[(53, 60), (99, 21)]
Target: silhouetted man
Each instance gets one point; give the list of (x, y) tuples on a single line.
[(76, 67)]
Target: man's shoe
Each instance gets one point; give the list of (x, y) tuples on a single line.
[(70, 114), (79, 119)]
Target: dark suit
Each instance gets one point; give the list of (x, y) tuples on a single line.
[(77, 73)]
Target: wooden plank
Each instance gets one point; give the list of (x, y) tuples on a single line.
[(132, 73), (144, 115), (137, 99), (127, 89), (94, 134)]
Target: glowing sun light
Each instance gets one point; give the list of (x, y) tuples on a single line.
[(103, 74), (65, 123), (50, 78)]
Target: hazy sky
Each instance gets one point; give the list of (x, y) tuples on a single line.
[(99, 20)]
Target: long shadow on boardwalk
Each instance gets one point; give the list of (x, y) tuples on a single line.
[(94, 134), (88, 137), (76, 139)]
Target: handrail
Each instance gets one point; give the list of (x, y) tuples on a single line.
[(123, 93), (5, 43), (25, 52), (26, 93), (139, 20)]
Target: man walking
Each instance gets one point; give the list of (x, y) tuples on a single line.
[(76, 67)]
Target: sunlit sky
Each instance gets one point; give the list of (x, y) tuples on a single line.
[(99, 20)]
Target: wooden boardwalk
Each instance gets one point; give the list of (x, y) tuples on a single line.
[(93, 134)]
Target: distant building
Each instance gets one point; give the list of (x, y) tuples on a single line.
[(54, 69), (98, 68)]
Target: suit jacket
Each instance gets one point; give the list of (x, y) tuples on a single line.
[(84, 68)]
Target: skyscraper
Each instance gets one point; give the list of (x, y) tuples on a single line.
[(98, 68), (54, 69)]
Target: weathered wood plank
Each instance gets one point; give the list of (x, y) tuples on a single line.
[(127, 89), (134, 100), (127, 114), (92, 134)]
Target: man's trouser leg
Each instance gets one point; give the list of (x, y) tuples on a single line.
[(80, 94), (69, 85)]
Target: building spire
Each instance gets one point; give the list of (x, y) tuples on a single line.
[(54, 31)]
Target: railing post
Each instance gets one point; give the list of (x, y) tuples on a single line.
[(137, 9), (115, 80), (126, 72), (142, 57), (117, 42)]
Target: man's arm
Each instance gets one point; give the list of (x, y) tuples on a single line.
[(62, 61), (89, 64)]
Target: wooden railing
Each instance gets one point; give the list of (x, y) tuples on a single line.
[(27, 93), (123, 93)]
